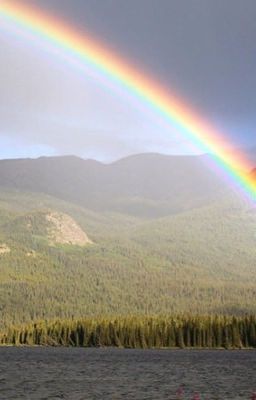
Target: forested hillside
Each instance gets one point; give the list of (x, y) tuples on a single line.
[(196, 261)]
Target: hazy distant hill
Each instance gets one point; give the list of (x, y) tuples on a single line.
[(144, 185)]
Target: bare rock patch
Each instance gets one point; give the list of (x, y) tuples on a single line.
[(65, 230)]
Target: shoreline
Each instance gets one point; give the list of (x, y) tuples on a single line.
[(128, 348)]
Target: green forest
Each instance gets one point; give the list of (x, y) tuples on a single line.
[(139, 332), (198, 262)]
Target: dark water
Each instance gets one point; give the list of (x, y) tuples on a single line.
[(70, 373)]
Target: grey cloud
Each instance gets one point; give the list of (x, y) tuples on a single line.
[(202, 49)]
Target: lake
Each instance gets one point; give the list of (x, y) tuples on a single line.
[(81, 374)]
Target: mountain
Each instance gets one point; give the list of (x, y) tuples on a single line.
[(149, 185), (148, 234)]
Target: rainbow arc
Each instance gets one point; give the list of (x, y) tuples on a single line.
[(87, 51)]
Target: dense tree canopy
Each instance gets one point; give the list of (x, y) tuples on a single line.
[(138, 332)]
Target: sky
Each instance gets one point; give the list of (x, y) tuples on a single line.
[(202, 50)]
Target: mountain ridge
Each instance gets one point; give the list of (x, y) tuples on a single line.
[(164, 184)]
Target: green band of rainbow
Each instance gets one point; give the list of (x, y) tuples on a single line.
[(148, 91)]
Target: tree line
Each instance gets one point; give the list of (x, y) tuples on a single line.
[(139, 332)]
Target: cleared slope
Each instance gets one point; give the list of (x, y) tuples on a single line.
[(65, 230)]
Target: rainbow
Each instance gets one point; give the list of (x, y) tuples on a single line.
[(82, 48)]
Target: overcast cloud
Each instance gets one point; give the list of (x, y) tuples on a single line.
[(202, 49)]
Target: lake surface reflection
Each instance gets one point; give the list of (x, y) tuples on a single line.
[(83, 374)]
